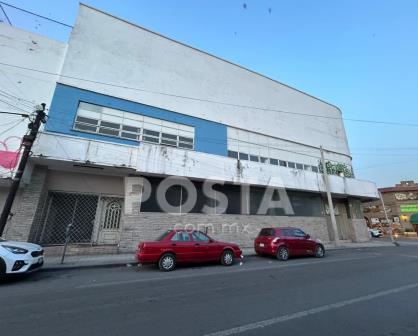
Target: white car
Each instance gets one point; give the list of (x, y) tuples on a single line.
[(376, 233), (18, 257)]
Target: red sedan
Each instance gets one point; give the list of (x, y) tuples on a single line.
[(283, 242), (186, 246)]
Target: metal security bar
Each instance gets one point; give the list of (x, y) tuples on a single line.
[(112, 213), (61, 210)]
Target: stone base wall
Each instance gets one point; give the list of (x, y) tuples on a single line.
[(80, 250), (240, 229), (361, 234), (20, 224)]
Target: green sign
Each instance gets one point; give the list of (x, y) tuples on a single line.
[(409, 207)]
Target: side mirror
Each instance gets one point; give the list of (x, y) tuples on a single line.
[(307, 236)]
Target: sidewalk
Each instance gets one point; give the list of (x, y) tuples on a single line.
[(128, 259), (89, 261)]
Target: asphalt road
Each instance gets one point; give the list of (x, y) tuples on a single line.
[(369, 292)]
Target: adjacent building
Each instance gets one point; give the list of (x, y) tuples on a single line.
[(401, 203), (129, 108)]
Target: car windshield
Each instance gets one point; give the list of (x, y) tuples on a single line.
[(165, 234)]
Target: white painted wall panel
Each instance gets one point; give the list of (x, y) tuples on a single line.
[(154, 159), (105, 49), (20, 89)]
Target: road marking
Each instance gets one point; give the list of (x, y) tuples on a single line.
[(304, 313), (239, 269), (407, 255)]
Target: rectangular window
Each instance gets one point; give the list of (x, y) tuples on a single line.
[(254, 158), (109, 124), (283, 163), (263, 159), (274, 162), (168, 136), (307, 167), (185, 145), (299, 166), (129, 136), (169, 142), (243, 156), (266, 233), (185, 139), (150, 139), (126, 125), (169, 139), (87, 128), (315, 169), (152, 133), (87, 120), (131, 129), (233, 154), (108, 131), (291, 165)]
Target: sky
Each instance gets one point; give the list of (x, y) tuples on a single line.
[(358, 55)]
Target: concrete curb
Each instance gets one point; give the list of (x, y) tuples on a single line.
[(132, 263), (55, 268)]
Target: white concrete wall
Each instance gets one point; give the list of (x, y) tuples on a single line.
[(85, 183), (108, 50), (178, 162), (22, 89), (69, 148), (162, 160)]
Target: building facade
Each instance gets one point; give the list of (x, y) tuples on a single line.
[(135, 115), (401, 203)]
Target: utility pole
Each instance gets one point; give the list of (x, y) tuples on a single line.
[(387, 220), (330, 203), (27, 143)]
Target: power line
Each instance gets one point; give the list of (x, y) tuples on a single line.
[(13, 101), (13, 113), (8, 123), (13, 126), (5, 14), (20, 100), (210, 101), (11, 105), (41, 16)]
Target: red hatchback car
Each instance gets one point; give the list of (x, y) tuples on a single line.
[(186, 246), (285, 242)]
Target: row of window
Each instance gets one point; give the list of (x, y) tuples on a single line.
[(275, 162), (152, 130)]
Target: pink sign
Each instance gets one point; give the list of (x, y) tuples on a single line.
[(8, 158)]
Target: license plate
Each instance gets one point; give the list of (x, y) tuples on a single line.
[(261, 244), (40, 260)]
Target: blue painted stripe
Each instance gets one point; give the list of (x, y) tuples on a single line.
[(210, 137)]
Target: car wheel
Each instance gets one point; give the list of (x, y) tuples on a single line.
[(167, 262), (319, 251), (227, 258), (283, 253)]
